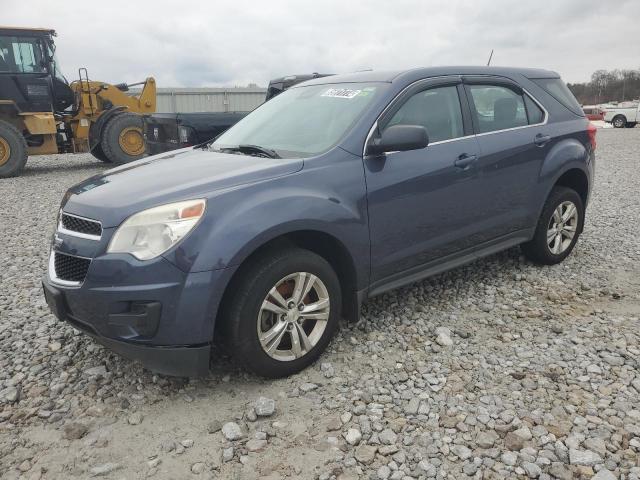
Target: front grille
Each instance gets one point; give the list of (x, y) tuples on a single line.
[(81, 225), (69, 268)]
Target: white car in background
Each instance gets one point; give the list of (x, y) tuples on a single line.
[(623, 116)]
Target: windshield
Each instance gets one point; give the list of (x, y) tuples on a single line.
[(51, 50), (302, 121)]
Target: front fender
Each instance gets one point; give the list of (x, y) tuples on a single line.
[(242, 219)]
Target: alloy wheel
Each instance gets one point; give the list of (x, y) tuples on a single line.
[(293, 316), (562, 227)]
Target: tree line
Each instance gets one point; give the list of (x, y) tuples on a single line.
[(608, 86)]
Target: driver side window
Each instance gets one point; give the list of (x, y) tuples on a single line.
[(20, 55), (436, 109)]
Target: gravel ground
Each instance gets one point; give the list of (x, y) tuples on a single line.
[(500, 369)]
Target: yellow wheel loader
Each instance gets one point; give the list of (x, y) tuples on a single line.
[(42, 113)]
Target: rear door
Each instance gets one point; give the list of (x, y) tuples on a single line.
[(513, 139)]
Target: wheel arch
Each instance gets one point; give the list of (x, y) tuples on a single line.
[(568, 163), (576, 179), (573, 176), (329, 247), (9, 114)]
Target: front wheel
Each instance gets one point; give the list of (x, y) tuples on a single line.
[(13, 150), (558, 228), (284, 311), (122, 140)]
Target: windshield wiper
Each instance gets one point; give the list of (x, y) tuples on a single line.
[(245, 148)]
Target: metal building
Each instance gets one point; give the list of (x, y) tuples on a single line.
[(184, 100)]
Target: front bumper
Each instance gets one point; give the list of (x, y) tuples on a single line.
[(149, 311), (179, 360)]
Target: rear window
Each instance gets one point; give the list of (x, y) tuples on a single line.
[(559, 90)]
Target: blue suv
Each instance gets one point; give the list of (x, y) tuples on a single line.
[(337, 190)]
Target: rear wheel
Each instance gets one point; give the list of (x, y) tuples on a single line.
[(619, 121), (13, 150), (122, 140), (284, 311), (558, 228)]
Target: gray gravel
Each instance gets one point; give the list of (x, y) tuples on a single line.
[(499, 369)]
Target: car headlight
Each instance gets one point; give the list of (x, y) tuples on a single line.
[(152, 232)]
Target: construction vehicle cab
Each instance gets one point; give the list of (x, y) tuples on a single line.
[(42, 113)]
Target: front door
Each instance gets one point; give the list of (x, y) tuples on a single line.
[(424, 204)]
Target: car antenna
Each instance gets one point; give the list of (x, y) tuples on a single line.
[(490, 57)]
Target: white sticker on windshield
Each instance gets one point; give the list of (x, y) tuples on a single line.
[(340, 93)]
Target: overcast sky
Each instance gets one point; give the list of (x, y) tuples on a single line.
[(215, 43)]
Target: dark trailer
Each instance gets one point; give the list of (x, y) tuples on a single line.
[(169, 131)]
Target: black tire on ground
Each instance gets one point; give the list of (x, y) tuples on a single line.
[(13, 150), (538, 249), (240, 315), (619, 121), (99, 154), (121, 140)]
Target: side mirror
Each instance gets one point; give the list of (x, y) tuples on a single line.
[(399, 138)]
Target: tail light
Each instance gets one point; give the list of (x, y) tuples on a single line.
[(591, 131)]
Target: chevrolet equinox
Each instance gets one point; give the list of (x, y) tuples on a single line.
[(337, 190)]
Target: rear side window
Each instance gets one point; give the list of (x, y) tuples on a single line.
[(534, 112), (20, 54), (559, 90), (497, 108)]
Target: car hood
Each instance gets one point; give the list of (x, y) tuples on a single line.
[(181, 175)]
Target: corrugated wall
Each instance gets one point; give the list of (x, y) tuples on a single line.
[(183, 100)]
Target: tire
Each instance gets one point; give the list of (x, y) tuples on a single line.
[(13, 150), (619, 121), (245, 315), (99, 154), (121, 140), (540, 249)]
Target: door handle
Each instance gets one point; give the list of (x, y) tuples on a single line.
[(465, 160), (541, 140)]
